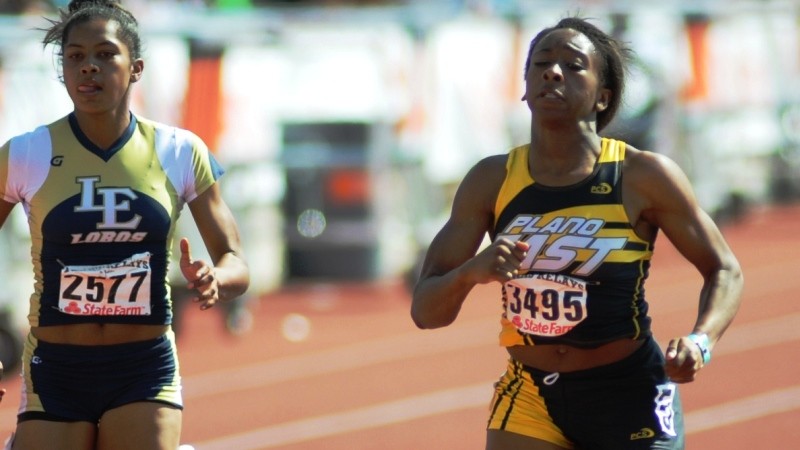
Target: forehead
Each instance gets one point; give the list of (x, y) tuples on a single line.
[(92, 31), (565, 39)]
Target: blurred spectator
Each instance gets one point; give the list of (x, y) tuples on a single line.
[(11, 7)]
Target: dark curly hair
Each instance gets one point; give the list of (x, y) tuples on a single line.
[(81, 11), (614, 55)]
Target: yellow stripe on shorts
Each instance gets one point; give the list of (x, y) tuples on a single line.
[(518, 408)]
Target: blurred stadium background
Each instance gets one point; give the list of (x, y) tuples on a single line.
[(345, 125)]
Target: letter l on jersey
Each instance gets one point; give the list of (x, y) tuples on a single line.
[(110, 206)]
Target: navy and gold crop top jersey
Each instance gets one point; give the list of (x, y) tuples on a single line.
[(102, 221), (582, 282)]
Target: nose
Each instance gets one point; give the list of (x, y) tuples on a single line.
[(553, 73), (89, 67)]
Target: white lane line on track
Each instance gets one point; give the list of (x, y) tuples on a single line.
[(350, 357), (409, 408), (662, 287), (474, 396), (742, 410), (755, 335), (739, 339), (413, 345)]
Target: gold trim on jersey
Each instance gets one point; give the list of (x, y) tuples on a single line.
[(579, 231), (518, 176)]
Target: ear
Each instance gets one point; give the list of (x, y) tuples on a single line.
[(137, 67), (603, 99)]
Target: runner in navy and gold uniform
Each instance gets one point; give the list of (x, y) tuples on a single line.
[(573, 219), (105, 214), (103, 189)]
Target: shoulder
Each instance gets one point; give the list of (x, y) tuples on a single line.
[(34, 133), (654, 181), (172, 143), (489, 171), (37, 140), (479, 189), (180, 135), (492, 163), (644, 166)]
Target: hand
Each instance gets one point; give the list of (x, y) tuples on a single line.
[(200, 277), (683, 360), (500, 261)]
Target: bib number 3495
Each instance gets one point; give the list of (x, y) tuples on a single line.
[(545, 305)]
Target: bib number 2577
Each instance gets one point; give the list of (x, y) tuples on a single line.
[(121, 288)]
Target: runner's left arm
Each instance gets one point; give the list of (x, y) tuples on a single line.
[(674, 209), (228, 276)]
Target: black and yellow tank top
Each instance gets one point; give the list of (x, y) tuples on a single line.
[(582, 282)]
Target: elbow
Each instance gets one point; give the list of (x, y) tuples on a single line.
[(739, 277), (423, 324), (419, 323), (432, 308), (427, 321), (727, 272), (232, 274), (419, 320), (736, 275), (730, 280), (236, 286), (232, 292)]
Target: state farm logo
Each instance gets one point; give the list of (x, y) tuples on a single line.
[(72, 308)]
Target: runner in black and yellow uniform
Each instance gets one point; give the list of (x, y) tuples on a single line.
[(103, 189), (573, 219), (581, 285)]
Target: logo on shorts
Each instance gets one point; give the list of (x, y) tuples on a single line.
[(644, 433), (602, 188), (664, 410)]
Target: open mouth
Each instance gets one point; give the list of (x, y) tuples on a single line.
[(89, 88), (551, 95)]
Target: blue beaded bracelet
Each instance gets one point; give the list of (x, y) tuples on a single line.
[(701, 340)]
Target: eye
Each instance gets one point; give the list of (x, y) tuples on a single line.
[(576, 67)]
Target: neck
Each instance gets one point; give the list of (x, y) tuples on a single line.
[(561, 142), (103, 129), (561, 157)]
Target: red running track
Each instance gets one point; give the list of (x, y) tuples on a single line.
[(342, 366)]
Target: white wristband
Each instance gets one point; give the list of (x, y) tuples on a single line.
[(701, 340)]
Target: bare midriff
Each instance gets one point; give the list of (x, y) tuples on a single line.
[(565, 358), (98, 333)]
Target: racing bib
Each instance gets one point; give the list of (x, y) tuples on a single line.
[(115, 289), (545, 304)]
